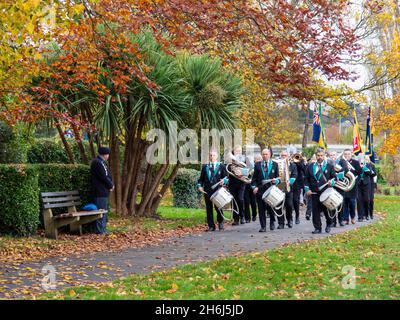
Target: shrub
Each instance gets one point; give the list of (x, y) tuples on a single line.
[(65, 177), (47, 151), (184, 189), (13, 147), (386, 192), (378, 170), (19, 214), (308, 152)]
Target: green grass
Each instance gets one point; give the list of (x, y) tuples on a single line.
[(310, 270)]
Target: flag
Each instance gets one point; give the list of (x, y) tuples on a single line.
[(318, 128), (369, 138), (356, 136)]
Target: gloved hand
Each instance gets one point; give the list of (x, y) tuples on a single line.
[(292, 180), (340, 175)]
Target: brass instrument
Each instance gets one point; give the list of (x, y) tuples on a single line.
[(297, 157), (236, 168), (349, 180), (284, 174)]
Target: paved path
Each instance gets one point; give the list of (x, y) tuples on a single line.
[(17, 281)]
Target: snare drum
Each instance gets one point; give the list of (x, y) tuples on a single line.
[(331, 199), (221, 198), (273, 196)]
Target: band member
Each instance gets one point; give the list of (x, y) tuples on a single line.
[(364, 190), (373, 188), (249, 197), (263, 171), (350, 196), (212, 173), (343, 164), (311, 161), (236, 188), (288, 195), (298, 186), (317, 175)]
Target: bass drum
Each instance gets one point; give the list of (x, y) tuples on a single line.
[(331, 199), (221, 198), (274, 197)]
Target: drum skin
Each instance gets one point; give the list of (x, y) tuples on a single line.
[(331, 199), (221, 198), (273, 196)]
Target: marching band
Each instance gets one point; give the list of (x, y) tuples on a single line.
[(332, 185)]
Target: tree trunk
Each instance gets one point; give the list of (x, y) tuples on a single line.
[(82, 151), (65, 143), (305, 133), (152, 209), (116, 171)]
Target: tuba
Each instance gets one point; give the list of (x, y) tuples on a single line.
[(284, 174), (348, 182), (236, 168)]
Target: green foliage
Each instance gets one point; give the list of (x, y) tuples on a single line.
[(378, 170), (13, 147), (308, 152), (19, 214), (184, 189), (47, 151), (65, 177)]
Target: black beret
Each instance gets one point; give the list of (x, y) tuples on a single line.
[(104, 150)]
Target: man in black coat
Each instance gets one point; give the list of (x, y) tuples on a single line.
[(340, 174), (350, 197), (298, 185), (102, 184), (364, 190), (317, 175), (212, 173), (249, 196), (372, 188), (265, 170), (288, 194), (237, 188)]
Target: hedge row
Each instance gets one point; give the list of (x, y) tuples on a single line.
[(20, 189), (184, 189)]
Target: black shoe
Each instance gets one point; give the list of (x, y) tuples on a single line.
[(272, 226), (298, 220), (307, 217), (281, 226), (341, 223), (328, 229), (242, 221), (316, 231), (221, 226), (360, 220), (367, 218), (290, 224), (254, 218), (372, 217), (262, 230), (247, 221), (211, 229), (235, 223)]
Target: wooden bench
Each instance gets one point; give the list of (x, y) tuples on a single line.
[(75, 219)]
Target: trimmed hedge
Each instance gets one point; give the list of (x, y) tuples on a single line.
[(184, 189), (47, 151), (13, 148), (19, 189)]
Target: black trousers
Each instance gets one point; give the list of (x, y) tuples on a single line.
[(296, 201), (317, 208), (237, 190), (371, 200), (288, 208), (363, 200), (262, 209), (210, 213), (249, 201)]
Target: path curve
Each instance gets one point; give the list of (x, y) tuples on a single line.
[(26, 279)]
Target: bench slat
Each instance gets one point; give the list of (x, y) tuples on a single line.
[(61, 204), (79, 214), (60, 199), (59, 193)]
